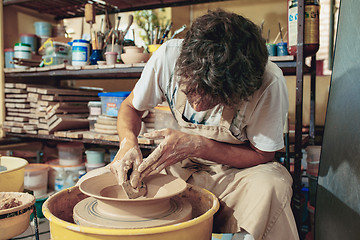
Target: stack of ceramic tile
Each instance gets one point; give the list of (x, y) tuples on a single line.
[(18, 109), (43, 110), (106, 124)]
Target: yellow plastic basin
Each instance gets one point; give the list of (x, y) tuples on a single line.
[(12, 180), (58, 210)]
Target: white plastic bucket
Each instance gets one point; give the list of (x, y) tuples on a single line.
[(70, 153), (23, 51), (36, 178), (95, 155), (80, 52)]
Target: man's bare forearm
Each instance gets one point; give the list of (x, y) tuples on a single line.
[(128, 121)]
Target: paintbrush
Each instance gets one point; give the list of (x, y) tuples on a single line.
[(280, 30), (183, 27), (262, 26), (166, 32)]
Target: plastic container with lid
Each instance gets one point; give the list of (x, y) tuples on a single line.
[(55, 59), (30, 39), (94, 108), (23, 51), (311, 27), (111, 101), (95, 155), (43, 29), (70, 153), (36, 178), (51, 47), (9, 54), (80, 52)]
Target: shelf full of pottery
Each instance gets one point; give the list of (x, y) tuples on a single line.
[(54, 113), (103, 49)]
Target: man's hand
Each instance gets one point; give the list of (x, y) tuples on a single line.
[(175, 147), (126, 162)]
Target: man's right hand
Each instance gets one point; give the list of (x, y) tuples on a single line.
[(126, 161)]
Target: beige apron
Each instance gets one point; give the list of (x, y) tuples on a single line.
[(256, 199)]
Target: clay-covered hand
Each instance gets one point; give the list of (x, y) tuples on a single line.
[(175, 147), (126, 162)]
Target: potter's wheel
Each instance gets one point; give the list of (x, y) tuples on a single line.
[(109, 207)]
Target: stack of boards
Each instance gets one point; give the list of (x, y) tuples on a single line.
[(34, 109)]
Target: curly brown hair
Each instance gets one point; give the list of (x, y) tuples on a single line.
[(223, 56)]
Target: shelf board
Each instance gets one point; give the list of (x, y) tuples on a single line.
[(288, 64), (106, 73), (131, 72), (65, 139)]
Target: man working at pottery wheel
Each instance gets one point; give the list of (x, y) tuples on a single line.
[(230, 103)]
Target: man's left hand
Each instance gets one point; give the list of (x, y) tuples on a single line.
[(175, 147)]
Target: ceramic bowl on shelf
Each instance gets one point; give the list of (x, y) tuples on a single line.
[(133, 49), (130, 58)]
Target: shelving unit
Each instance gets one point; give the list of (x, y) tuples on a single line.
[(110, 73), (290, 67)]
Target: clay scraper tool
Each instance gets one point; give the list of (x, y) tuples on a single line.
[(131, 192)]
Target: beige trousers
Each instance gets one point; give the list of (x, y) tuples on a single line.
[(255, 199)]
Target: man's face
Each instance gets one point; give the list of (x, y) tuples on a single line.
[(201, 102)]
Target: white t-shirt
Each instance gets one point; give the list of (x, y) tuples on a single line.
[(259, 120)]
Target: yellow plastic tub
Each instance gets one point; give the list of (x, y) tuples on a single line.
[(58, 210), (12, 180), (15, 221)]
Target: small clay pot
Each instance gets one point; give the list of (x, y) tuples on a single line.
[(133, 49), (111, 58), (129, 58)]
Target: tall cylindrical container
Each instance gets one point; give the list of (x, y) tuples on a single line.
[(23, 51), (30, 39), (9, 54), (80, 52), (43, 29), (311, 27)]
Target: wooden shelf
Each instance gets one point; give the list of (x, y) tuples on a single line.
[(66, 139), (99, 73), (120, 72)]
